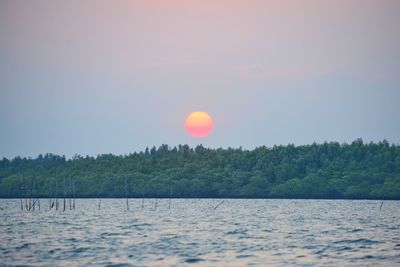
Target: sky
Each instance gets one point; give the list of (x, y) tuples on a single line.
[(94, 77)]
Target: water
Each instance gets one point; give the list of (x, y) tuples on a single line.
[(192, 233)]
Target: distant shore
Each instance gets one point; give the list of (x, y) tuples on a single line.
[(318, 171)]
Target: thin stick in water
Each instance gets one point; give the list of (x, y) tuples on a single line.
[(126, 193), (156, 202), (64, 193), (34, 199), (219, 204), (30, 197), (51, 193), (70, 193), (56, 194), (143, 200), (170, 194), (73, 192), (20, 196)]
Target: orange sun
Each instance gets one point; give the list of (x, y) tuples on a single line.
[(199, 124)]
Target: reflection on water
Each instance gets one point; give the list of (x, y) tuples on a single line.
[(192, 232)]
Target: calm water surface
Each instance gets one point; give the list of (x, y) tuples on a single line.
[(192, 233)]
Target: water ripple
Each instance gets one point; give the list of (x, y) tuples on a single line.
[(238, 233)]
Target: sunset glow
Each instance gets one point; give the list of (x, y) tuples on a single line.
[(199, 124)]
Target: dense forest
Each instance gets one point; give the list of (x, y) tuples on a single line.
[(330, 170)]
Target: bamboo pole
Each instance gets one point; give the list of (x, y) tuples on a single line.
[(219, 204), (36, 196), (25, 193), (73, 191), (143, 199), (51, 196), (20, 196), (126, 193), (70, 193), (64, 193), (156, 202), (170, 194), (382, 192), (31, 195), (56, 194)]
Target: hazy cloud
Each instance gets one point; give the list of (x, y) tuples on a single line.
[(265, 72)]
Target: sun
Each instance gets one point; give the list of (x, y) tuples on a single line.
[(199, 124)]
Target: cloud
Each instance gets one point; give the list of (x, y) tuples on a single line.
[(252, 71), (281, 72), (172, 62)]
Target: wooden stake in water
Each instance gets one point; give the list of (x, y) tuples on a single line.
[(143, 200), (156, 202), (64, 193), (56, 194), (33, 205), (126, 193), (30, 197), (21, 188), (170, 194), (36, 194), (25, 192), (53, 199), (73, 193), (219, 204), (381, 205), (70, 193), (50, 193), (34, 199)]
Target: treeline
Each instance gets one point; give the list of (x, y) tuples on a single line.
[(330, 170)]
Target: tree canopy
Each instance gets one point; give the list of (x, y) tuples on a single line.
[(330, 170)]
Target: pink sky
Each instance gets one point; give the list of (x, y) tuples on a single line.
[(76, 74)]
